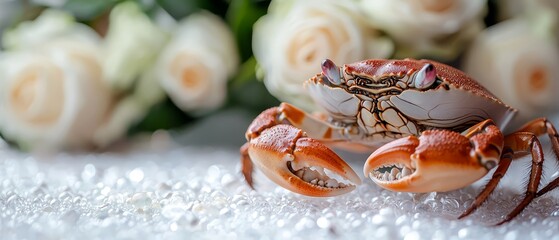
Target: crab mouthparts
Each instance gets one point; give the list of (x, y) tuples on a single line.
[(318, 176), (391, 172)]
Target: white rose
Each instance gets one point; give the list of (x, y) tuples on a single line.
[(292, 40), (51, 24), (517, 65), (195, 66), (132, 45), (53, 96), (437, 28)]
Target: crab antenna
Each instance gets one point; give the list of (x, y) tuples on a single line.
[(331, 71)]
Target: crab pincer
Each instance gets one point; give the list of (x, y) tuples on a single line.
[(438, 160), (294, 161)]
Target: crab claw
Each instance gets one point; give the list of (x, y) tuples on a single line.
[(298, 163), (437, 161)]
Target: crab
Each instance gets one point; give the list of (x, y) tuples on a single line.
[(429, 126)]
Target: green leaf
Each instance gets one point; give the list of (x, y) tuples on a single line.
[(87, 10), (179, 9), (252, 95), (248, 93), (246, 73), (146, 6), (241, 15)]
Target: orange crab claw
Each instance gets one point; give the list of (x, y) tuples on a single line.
[(298, 163), (439, 160)]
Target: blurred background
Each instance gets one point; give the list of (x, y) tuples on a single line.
[(85, 75)]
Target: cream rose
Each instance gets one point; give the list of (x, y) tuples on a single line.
[(132, 45), (518, 66), (53, 96), (51, 90), (292, 40), (436, 28), (195, 66)]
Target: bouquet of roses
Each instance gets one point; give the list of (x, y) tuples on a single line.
[(79, 73)]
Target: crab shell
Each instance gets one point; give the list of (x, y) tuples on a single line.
[(410, 103), (457, 104)]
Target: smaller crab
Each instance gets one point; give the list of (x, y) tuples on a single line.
[(433, 128)]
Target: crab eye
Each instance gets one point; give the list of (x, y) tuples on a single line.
[(425, 77), (331, 71)]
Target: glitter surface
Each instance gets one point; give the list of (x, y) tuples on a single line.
[(167, 192)]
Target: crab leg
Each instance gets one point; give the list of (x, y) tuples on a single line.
[(539, 127), (246, 165), (501, 170), (317, 128), (314, 127), (294, 161), (526, 142), (515, 143), (504, 164)]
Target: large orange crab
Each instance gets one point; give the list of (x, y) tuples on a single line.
[(433, 128)]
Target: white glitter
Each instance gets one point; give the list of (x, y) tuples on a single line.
[(89, 172), (198, 193), (136, 175), (323, 222)]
